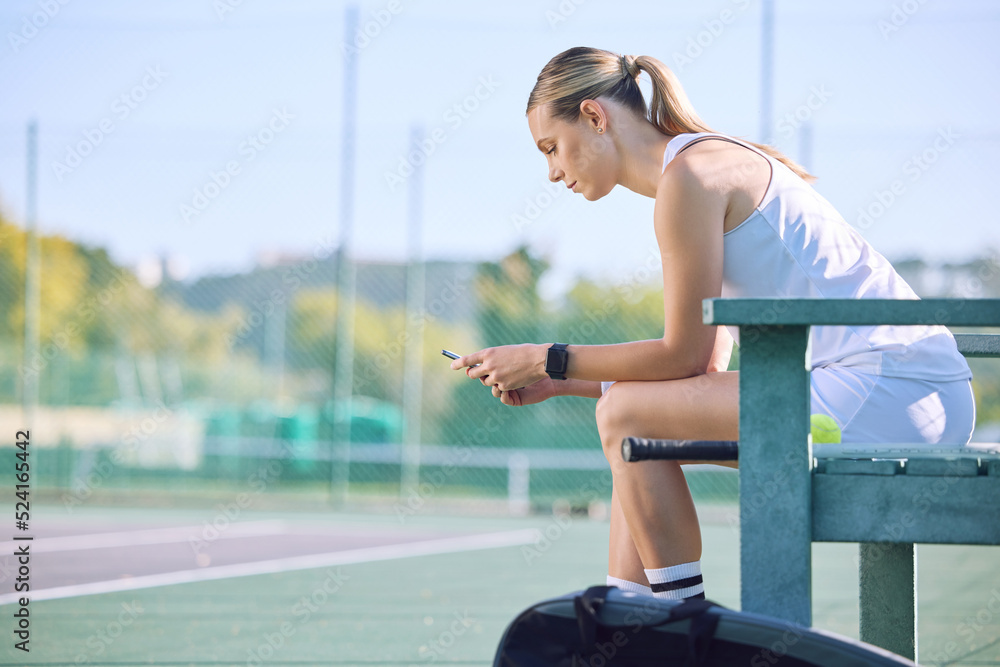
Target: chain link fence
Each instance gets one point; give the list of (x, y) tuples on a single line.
[(228, 382)]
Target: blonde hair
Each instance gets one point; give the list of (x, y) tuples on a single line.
[(582, 73)]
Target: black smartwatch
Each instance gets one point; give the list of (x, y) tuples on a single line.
[(556, 360)]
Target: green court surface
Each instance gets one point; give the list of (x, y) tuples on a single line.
[(447, 608)]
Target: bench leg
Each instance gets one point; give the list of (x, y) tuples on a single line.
[(888, 596), (775, 478)]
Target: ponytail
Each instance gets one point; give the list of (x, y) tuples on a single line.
[(582, 73)]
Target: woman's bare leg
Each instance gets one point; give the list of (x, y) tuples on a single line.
[(653, 496), (623, 559)]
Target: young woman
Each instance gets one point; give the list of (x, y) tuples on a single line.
[(732, 219)]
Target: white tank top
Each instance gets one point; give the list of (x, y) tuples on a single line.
[(795, 244)]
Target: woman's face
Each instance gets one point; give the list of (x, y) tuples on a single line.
[(577, 154)]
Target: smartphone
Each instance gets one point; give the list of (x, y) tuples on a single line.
[(449, 353)]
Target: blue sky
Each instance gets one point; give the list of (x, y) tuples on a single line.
[(245, 107)]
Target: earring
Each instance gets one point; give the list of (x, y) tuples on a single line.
[(600, 129)]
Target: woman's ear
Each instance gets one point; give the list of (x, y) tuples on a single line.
[(593, 114)]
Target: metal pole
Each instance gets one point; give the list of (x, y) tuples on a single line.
[(766, 70), (274, 345), (343, 378), (413, 369), (31, 370)]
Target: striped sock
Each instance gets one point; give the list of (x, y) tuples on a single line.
[(677, 582), (629, 586)]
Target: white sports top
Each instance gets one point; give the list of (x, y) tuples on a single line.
[(795, 244)]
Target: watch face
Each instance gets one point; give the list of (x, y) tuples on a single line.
[(555, 360)]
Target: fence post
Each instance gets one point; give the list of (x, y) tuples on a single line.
[(518, 484)]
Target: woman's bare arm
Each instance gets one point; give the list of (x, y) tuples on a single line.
[(688, 218), (592, 388), (573, 387)]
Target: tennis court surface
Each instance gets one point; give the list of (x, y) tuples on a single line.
[(131, 586)]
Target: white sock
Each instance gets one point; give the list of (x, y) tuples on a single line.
[(629, 586), (677, 582)]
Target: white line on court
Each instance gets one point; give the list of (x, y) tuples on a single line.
[(141, 537), (291, 564)]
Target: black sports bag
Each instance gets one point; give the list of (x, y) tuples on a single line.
[(604, 626)]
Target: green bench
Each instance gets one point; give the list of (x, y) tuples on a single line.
[(791, 496)]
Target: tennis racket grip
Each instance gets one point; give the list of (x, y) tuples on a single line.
[(647, 449)]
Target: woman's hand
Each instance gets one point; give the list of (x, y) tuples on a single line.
[(507, 367), (533, 393)]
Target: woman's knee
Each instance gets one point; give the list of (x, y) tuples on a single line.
[(612, 415), (608, 412)]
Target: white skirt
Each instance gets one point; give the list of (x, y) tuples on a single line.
[(875, 408)]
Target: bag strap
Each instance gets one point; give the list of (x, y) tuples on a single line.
[(702, 629), (587, 605), (700, 634)]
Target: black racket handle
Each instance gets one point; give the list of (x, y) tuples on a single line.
[(646, 449)]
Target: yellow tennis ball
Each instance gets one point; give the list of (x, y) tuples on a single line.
[(824, 429)]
